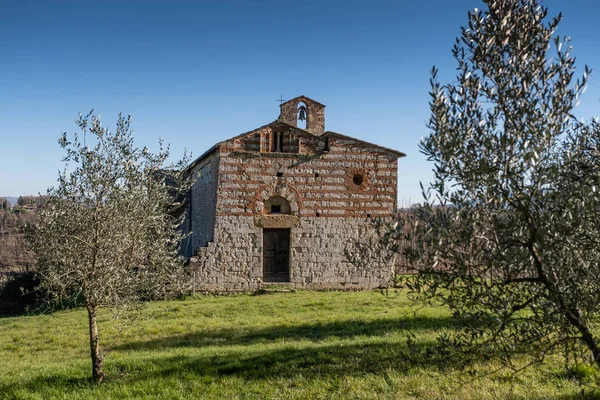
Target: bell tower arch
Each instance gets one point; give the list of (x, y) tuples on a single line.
[(304, 109)]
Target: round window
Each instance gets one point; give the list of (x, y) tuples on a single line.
[(356, 179)]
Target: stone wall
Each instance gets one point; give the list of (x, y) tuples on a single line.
[(328, 214), (315, 114), (317, 256), (332, 186), (201, 210)]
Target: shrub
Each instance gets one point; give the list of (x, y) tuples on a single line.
[(19, 293)]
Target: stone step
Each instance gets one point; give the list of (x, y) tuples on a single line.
[(266, 290)]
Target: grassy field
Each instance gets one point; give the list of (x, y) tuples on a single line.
[(301, 345)]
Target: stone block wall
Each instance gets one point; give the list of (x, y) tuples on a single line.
[(317, 256), (201, 209), (315, 114)]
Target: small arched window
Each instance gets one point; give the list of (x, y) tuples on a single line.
[(277, 205)]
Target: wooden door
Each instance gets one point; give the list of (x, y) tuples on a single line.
[(276, 255)]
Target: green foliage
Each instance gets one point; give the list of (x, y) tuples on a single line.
[(14, 224), (34, 202), (513, 241), (584, 373), (303, 345), (19, 293), (108, 236), (4, 204)]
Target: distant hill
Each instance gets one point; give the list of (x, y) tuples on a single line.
[(11, 200)]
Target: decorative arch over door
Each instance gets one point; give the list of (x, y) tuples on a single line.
[(277, 205), (266, 192)]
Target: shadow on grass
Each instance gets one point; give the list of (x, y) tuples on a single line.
[(319, 359), (323, 361), (315, 362), (312, 331), (589, 395), (43, 383)]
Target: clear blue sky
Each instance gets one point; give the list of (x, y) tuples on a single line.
[(199, 72)]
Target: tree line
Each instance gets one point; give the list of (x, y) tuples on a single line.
[(14, 223)]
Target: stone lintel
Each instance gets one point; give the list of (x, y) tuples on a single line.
[(276, 221)]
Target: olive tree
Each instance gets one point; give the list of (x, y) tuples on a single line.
[(511, 219), (109, 236)]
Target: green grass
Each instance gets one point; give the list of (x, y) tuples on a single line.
[(300, 345)]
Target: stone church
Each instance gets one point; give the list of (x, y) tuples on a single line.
[(281, 204)]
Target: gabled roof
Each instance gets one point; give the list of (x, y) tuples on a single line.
[(339, 135), (279, 122)]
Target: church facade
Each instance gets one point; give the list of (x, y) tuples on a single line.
[(283, 205)]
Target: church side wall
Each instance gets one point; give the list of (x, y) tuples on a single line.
[(201, 211)]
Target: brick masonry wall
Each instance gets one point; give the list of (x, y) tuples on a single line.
[(330, 212), (322, 181)]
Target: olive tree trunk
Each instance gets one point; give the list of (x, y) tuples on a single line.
[(97, 374)]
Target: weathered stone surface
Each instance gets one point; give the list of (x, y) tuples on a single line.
[(322, 186), (276, 221), (201, 209), (317, 259), (315, 114)]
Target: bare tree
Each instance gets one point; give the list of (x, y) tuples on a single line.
[(511, 218), (108, 236)]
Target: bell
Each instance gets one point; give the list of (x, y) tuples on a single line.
[(302, 114)]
